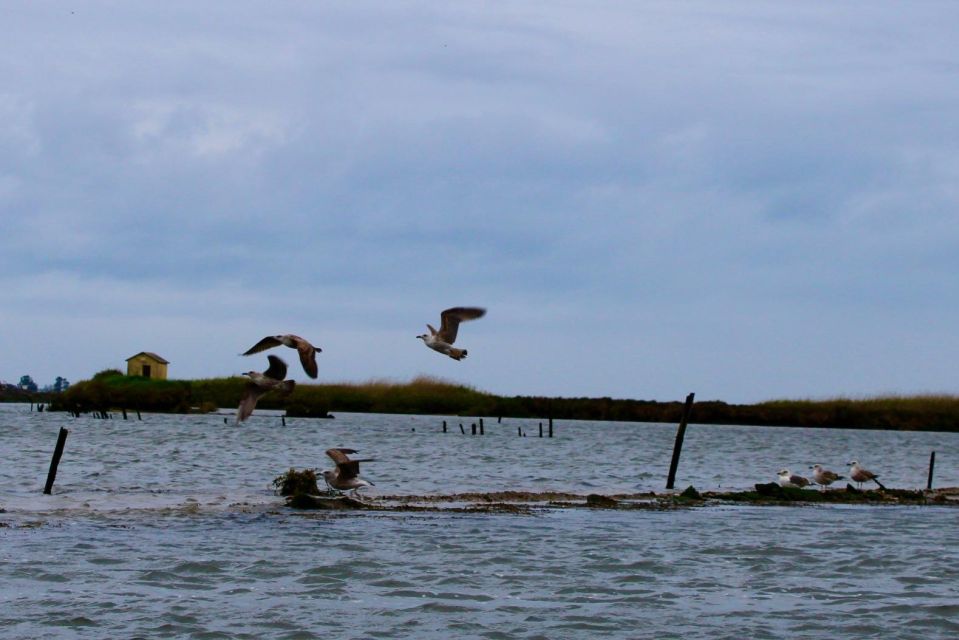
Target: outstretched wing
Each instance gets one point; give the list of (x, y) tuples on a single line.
[(277, 368), (339, 455), (307, 357), (266, 343), (251, 393), (451, 319)]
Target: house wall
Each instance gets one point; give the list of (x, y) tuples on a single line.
[(157, 369)]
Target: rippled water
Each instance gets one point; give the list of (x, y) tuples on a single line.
[(167, 528)]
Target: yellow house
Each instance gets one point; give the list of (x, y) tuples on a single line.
[(148, 365)]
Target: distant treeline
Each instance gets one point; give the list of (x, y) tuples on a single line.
[(112, 390)]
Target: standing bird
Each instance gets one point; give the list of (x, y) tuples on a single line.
[(306, 350), (443, 339), (260, 383), (346, 475), (793, 480), (860, 475), (824, 477)]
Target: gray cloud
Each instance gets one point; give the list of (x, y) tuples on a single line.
[(752, 200)]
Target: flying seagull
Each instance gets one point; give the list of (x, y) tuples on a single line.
[(261, 383), (306, 350), (443, 339), (860, 475), (794, 480), (346, 475), (824, 477)]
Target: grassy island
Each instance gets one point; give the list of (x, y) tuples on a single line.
[(112, 390)]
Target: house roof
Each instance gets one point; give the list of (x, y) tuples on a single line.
[(149, 354)]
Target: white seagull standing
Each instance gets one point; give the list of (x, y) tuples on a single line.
[(443, 339), (793, 480), (261, 383), (860, 474), (346, 475), (306, 350), (824, 477)]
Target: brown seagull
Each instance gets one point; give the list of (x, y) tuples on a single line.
[(261, 383), (306, 350), (443, 339), (860, 475), (346, 475), (824, 477)]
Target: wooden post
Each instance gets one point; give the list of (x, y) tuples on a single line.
[(139, 417), (473, 429), (932, 465), (482, 431), (283, 420), (462, 430), (444, 426), (55, 462), (540, 429), (551, 426), (124, 413), (678, 446), (499, 420), (519, 431)]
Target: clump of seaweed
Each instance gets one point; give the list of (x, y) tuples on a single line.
[(296, 483)]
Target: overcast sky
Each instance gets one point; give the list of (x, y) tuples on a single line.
[(747, 200)]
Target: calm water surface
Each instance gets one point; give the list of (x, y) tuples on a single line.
[(167, 527)]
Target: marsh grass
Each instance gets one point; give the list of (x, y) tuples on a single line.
[(432, 396)]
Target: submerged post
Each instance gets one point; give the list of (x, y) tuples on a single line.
[(444, 426), (473, 429), (139, 417), (540, 429), (678, 446), (462, 430), (932, 465), (55, 462), (283, 420), (124, 414), (519, 431), (482, 431)]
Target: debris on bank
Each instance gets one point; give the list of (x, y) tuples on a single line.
[(301, 492)]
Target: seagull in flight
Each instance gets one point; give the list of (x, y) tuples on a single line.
[(261, 383), (306, 350), (443, 339), (860, 475), (346, 476)]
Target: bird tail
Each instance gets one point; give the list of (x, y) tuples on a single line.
[(881, 485), (457, 354)]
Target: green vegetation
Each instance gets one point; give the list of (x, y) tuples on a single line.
[(429, 396)]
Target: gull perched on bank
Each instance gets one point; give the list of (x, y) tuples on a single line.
[(824, 477), (306, 350), (793, 480), (860, 474), (346, 476), (443, 339), (261, 383)]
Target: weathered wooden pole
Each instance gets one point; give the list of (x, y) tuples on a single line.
[(444, 426), (519, 431), (139, 417), (55, 462), (462, 430), (124, 414), (678, 446), (283, 420), (540, 429), (932, 465), (499, 420), (473, 429), (482, 430)]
